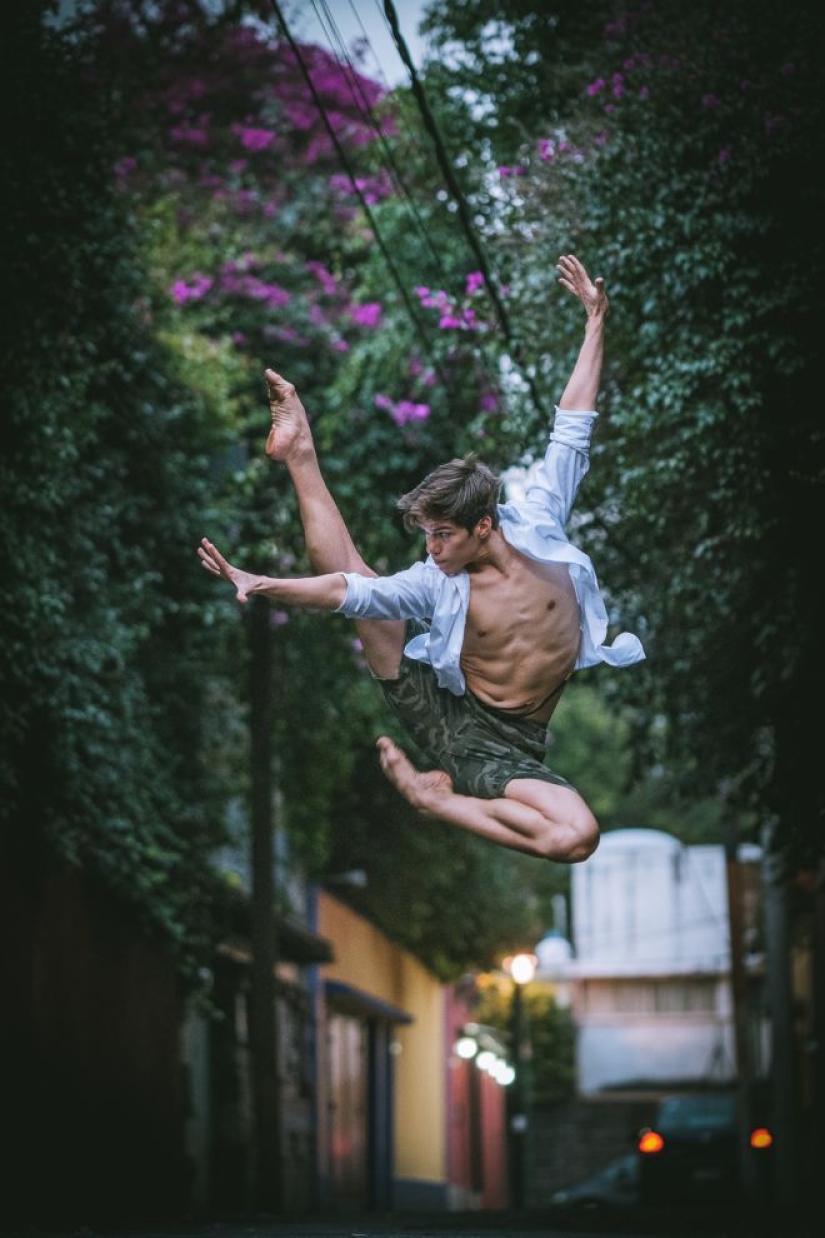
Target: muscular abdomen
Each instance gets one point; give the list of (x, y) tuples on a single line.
[(522, 638)]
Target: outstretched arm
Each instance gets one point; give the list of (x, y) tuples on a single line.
[(323, 592), (582, 388)]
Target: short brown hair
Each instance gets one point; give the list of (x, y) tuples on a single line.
[(461, 491)]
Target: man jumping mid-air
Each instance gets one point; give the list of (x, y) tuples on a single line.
[(473, 647)]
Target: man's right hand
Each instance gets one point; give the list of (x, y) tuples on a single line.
[(575, 279), (242, 582), (289, 420)]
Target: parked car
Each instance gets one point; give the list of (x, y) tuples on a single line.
[(693, 1149), (617, 1186)]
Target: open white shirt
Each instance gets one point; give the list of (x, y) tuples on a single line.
[(535, 526)]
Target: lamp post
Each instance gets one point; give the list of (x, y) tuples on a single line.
[(521, 968)]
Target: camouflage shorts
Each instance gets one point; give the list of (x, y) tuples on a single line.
[(480, 748)]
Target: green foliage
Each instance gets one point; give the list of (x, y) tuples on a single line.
[(453, 900), (104, 477), (683, 166), (548, 1031)]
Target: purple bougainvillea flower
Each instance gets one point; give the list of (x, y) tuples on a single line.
[(406, 411), (254, 139), (367, 315)]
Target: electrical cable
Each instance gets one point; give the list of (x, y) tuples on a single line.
[(405, 296), (368, 116), (332, 32), (458, 195)]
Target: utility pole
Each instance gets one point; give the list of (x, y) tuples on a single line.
[(784, 1093), (517, 1107), (741, 1015), (521, 969), (263, 1022)]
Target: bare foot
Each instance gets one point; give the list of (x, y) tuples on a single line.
[(424, 790), (289, 432)]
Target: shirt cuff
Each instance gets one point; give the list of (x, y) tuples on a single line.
[(573, 429)]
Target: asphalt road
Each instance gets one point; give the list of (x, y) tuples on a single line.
[(598, 1223)]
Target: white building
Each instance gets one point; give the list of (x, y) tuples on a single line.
[(650, 972)]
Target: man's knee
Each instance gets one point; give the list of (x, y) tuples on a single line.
[(569, 841), (382, 641), (585, 842)]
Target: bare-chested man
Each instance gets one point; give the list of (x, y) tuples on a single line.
[(471, 648)]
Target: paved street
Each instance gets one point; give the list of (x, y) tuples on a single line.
[(620, 1223)]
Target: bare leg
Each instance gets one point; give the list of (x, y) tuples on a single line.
[(540, 818), (329, 545)]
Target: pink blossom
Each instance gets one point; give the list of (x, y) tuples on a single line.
[(449, 321), (546, 149), (277, 618), (596, 87), (125, 166), (433, 300), (277, 296), (644, 92), (254, 139), (406, 411), (195, 137), (367, 315), (489, 402), (181, 292), (340, 345), (601, 138), (236, 166), (516, 169), (383, 401), (325, 278), (475, 280)]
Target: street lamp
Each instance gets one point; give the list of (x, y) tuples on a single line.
[(521, 968)]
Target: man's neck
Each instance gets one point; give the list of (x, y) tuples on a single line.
[(496, 554)]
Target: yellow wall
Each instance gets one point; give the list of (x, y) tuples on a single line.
[(369, 961)]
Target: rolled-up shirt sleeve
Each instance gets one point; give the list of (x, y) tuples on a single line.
[(404, 595), (555, 483)]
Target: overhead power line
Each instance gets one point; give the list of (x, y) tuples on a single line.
[(457, 192), (357, 190), (329, 25)]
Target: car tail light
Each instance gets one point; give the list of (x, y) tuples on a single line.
[(761, 1137), (650, 1141)]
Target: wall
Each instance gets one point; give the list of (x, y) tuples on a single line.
[(368, 961), (92, 1084)]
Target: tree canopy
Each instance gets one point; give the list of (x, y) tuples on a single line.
[(191, 195)]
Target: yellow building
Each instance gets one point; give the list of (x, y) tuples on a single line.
[(381, 1077)]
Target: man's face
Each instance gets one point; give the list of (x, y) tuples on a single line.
[(451, 546)]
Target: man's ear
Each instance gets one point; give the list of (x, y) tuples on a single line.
[(484, 526)]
